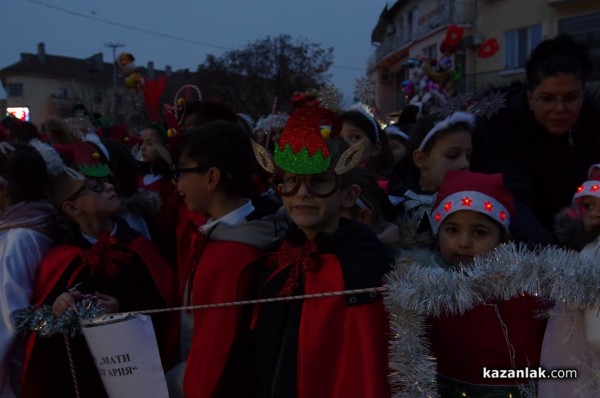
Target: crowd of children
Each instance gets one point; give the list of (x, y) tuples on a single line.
[(302, 217)]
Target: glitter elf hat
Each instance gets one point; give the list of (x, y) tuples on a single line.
[(302, 148)]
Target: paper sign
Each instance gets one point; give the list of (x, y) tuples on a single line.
[(126, 354)]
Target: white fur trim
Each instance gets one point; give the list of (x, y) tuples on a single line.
[(469, 200), (455, 118)]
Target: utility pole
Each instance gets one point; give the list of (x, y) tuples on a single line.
[(114, 47)]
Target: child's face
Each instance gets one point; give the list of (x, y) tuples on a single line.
[(451, 151), (96, 199), (150, 139), (398, 148), (313, 214), (194, 185), (466, 234), (590, 210), (352, 134)]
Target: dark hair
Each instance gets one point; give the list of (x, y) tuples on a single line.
[(558, 55), (23, 132), (161, 130), (226, 146), (382, 163), (418, 134), (408, 115), (203, 112), (25, 171), (123, 166), (374, 196)]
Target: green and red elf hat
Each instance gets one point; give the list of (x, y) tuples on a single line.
[(86, 157), (302, 148)]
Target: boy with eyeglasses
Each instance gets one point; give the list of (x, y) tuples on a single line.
[(214, 177), (101, 257), (330, 346)]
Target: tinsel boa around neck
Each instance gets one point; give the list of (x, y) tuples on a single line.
[(418, 288)]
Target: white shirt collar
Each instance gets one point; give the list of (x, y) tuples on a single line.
[(232, 218), (93, 240)]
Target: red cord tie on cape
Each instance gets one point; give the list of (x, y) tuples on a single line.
[(300, 259), (105, 253)]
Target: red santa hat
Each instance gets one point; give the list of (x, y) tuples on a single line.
[(590, 187), (467, 190)]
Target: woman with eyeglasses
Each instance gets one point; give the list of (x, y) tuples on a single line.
[(545, 139), (99, 257)]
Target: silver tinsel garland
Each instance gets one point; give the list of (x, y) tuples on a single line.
[(43, 322), (425, 289)]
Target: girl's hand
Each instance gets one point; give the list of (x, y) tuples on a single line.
[(64, 301), (110, 304)]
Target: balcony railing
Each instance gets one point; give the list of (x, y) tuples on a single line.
[(452, 12)]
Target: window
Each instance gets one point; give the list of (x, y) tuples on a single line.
[(15, 89), (519, 43), (584, 29)]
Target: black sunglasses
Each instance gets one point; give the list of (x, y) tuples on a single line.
[(94, 185), (178, 172)]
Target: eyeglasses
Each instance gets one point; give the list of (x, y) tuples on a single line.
[(549, 102), (94, 185), (320, 185), (178, 172)]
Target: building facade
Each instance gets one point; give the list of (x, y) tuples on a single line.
[(413, 29), (49, 86)]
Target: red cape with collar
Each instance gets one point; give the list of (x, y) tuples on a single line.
[(50, 271), (342, 349), (223, 275)]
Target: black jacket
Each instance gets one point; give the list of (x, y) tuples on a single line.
[(540, 170)]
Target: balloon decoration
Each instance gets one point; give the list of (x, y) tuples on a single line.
[(126, 65), (454, 35), (488, 48)]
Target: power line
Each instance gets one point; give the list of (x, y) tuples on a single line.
[(151, 32), (106, 21)]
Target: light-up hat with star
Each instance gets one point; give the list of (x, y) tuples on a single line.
[(302, 148), (467, 190), (590, 187)]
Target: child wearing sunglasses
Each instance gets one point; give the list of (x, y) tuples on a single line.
[(99, 256), (331, 346)]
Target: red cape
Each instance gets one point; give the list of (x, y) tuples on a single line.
[(342, 349), (50, 271), (222, 275)]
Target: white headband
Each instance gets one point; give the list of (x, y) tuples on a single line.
[(455, 118), (395, 130), (361, 108)]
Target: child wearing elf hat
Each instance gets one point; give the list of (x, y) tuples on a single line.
[(572, 339), (98, 256), (322, 347), (470, 217)]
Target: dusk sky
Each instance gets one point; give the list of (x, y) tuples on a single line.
[(180, 33)]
